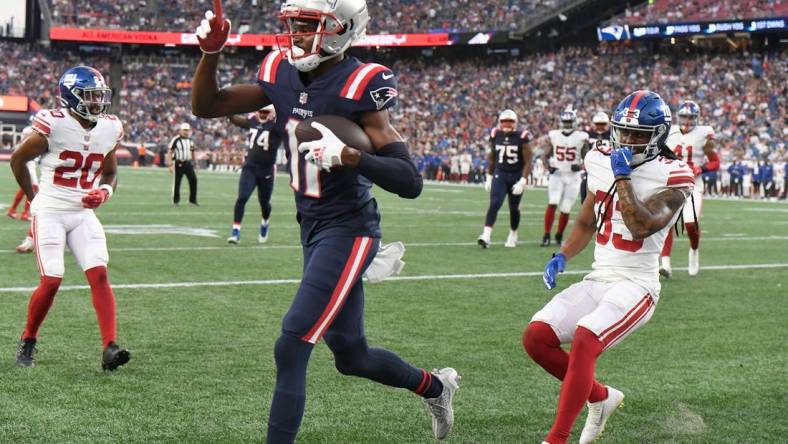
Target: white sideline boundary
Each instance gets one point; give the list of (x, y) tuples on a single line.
[(425, 277)]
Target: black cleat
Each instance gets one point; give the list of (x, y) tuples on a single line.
[(558, 238), (25, 353), (545, 240), (114, 357)]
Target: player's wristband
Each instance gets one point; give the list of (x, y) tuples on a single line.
[(108, 188)]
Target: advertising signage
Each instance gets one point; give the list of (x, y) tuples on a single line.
[(626, 32)]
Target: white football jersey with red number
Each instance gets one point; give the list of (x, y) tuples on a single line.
[(567, 149), (617, 256), (71, 167), (689, 147)]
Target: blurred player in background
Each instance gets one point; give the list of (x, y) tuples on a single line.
[(694, 144), (635, 193), (78, 174), (507, 174), (20, 194), (339, 218), (564, 161), (258, 170), (599, 136)]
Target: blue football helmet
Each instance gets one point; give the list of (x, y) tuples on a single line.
[(642, 112), (689, 112), (567, 121), (84, 91)]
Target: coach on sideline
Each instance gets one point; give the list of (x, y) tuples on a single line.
[(183, 158)]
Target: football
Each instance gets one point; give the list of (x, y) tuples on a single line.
[(347, 131)]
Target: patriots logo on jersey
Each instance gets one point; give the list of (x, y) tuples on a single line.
[(381, 96)]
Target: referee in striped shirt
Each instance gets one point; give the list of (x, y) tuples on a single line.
[(183, 159)]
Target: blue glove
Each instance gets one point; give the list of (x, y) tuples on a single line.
[(619, 160), (554, 266)]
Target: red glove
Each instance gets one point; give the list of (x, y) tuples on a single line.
[(696, 170), (211, 35), (95, 198)]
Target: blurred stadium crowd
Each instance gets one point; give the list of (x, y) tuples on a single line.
[(671, 11), (447, 107), (259, 16), (397, 16)]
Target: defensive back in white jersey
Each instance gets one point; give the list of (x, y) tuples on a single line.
[(689, 146), (567, 149), (617, 255), (72, 165)]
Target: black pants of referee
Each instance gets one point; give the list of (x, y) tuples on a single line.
[(186, 168)]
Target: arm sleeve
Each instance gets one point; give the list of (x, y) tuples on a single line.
[(392, 169)]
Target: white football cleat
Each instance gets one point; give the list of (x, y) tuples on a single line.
[(484, 241), (441, 407), (693, 264), (664, 267), (26, 246), (511, 241), (598, 414)]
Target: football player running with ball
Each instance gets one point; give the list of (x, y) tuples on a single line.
[(635, 193), (692, 143), (340, 232), (509, 166), (78, 174)]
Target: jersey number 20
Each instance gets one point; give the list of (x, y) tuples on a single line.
[(64, 174)]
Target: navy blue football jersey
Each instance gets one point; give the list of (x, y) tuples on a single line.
[(263, 145), (348, 89), (508, 148)]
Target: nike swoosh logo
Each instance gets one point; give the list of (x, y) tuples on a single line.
[(386, 77), (267, 177)]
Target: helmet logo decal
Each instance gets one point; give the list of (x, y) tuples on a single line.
[(69, 79)]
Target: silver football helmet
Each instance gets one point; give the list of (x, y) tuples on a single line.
[(507, 120), (337, 24)]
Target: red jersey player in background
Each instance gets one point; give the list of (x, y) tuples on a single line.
[(78, 173), (692, 143)]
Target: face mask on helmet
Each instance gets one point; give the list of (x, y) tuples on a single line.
[(687, 122), (642, 142), (567, 121), (92, 102), (315, 35)]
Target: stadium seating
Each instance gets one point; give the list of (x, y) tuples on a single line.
[(452, 105), (259, 16), (671, 11)]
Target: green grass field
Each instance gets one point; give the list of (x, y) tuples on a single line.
[(710, 367)]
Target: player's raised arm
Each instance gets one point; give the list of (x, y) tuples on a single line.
[(391, 168), (208, 100), (643, 219), (33, 146)]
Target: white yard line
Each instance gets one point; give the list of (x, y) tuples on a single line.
[(425, 277), (407, 245)]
